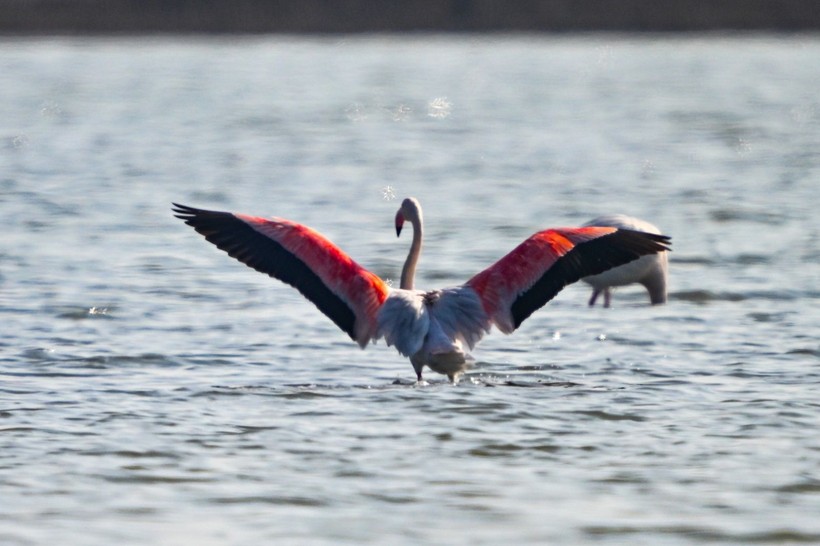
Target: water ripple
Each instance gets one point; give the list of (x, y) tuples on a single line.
[(706, 534), (153, 391)]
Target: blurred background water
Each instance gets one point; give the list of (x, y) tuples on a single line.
[(152, 390)]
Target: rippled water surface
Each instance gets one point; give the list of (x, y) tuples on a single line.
[(153, 391)]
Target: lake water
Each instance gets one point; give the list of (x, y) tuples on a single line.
[(154, 391)]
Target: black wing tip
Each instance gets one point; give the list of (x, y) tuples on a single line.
[(665, 240), (184, 212), (654, 242), (193, 215)]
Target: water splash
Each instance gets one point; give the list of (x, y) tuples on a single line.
[(19, 141), (401, 112), (742, 147), (388, 193), (356, 112), (647, 168), (50, 109), (439, 108)]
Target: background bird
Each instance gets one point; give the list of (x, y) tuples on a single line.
[(651, 270)]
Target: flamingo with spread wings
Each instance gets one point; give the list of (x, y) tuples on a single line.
[(434, 328)]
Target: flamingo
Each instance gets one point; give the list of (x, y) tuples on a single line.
[(650, 270), (433, 328)]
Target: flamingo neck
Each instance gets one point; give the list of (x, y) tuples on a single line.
[(408, 272)]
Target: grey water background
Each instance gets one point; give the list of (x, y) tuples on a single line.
[(154, 391)]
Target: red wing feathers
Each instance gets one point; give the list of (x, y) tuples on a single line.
[(536, 270), (301, 257)]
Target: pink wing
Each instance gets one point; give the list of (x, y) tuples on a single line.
[(301, 257), (536, 270)]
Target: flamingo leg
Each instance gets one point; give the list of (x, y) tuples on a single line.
[(594, 298), (417, 366)]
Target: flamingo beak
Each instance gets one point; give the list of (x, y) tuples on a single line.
[(399, 222)]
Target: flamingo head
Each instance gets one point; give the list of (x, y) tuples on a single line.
[(399, 222), (410, 211)]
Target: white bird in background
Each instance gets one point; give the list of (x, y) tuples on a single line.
[(434, 328), (651, 270)]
